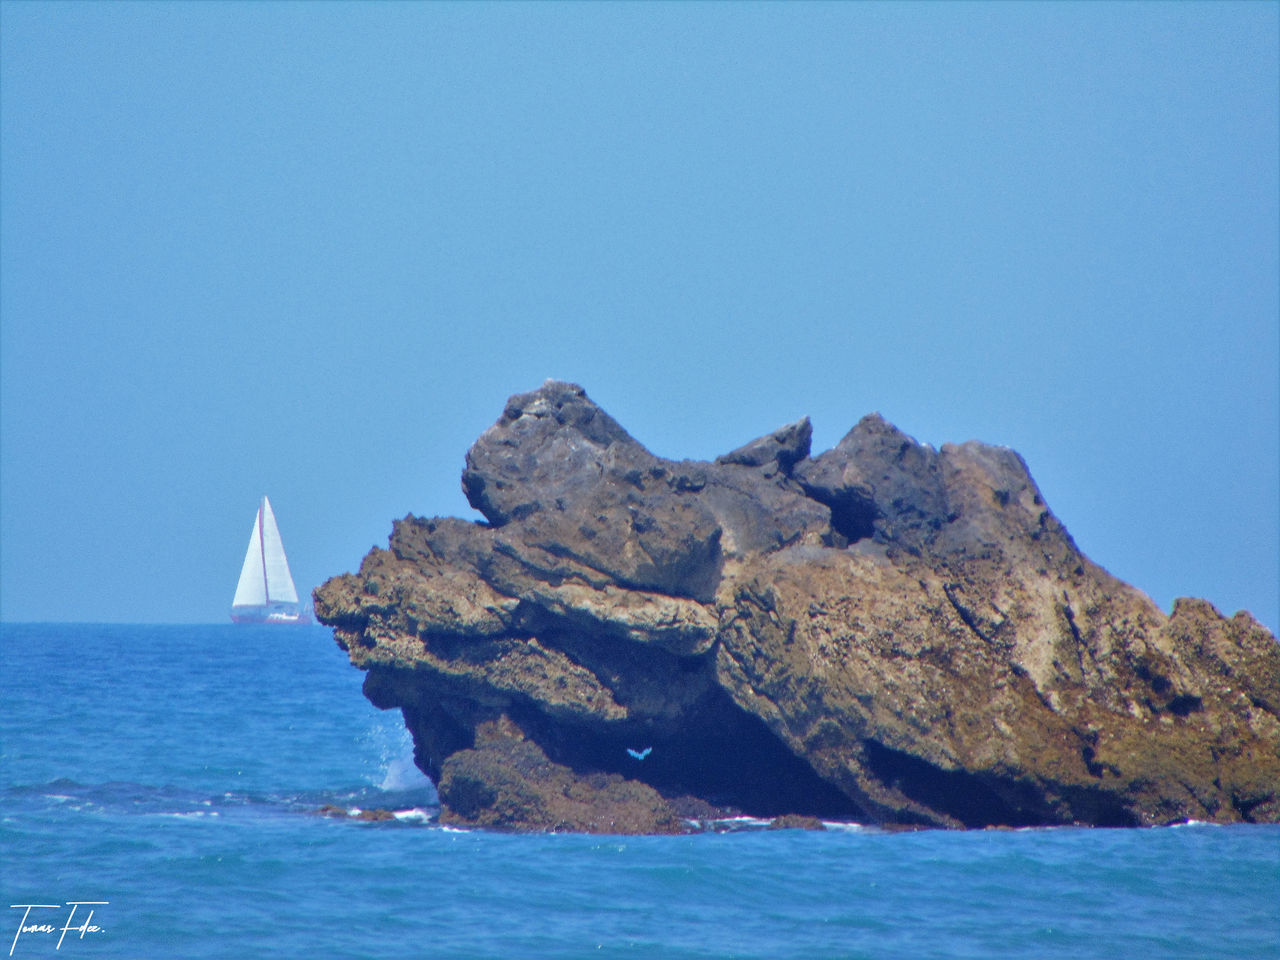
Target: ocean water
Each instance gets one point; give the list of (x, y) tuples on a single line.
[(165, 778)]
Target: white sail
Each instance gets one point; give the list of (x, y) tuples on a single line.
[(251, 591), (280, 588), (265, 592)]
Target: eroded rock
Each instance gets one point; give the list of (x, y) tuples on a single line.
[(884, 632)]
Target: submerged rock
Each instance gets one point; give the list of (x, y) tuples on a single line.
[(884, 632)]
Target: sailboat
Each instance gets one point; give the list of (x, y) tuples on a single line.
[(265, 593)]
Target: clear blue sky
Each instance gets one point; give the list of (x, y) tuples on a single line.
[(309, 250)]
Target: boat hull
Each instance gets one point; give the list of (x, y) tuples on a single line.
[(267, 615)]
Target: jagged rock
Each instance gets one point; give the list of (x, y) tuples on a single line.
[(376, 815), (884, 632), (796, 821), (507, 782), (778, 451)]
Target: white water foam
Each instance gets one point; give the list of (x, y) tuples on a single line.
[(845, 826), (403, 774), (416, 815), (395, 770)]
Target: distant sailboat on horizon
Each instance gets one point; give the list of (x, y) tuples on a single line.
[(265, 593)]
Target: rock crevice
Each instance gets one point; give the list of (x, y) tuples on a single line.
[(884, 632)]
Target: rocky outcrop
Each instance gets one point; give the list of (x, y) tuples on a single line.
[(884, 632)]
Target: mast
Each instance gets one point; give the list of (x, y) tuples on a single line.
[(262, 549)]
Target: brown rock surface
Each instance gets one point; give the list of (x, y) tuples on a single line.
[(884, 632)]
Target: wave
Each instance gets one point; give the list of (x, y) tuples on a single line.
[(60, 797)]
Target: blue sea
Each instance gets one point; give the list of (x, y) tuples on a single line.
[(165, 778)]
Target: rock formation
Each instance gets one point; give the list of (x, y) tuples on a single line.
[(885, 632)]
